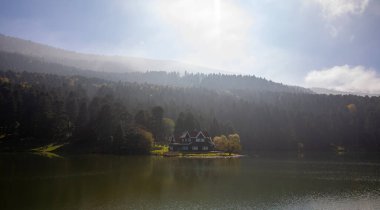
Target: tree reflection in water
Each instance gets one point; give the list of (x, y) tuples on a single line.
[(120, 182)]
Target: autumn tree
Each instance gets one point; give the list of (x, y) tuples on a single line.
[(229, 145)]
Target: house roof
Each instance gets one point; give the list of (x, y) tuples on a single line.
[(193, 134), (176, 140), (205, 133), (184, 134)]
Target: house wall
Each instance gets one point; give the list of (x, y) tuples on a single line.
[(193, 147), (191, 144)]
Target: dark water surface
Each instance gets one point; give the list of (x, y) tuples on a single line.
[(122, 182)]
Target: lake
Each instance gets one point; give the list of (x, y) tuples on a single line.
[(29, 181)]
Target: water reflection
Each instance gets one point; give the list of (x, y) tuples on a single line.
[(116, 182)]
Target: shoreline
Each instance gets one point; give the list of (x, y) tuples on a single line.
[(212, 157), (220, 155)]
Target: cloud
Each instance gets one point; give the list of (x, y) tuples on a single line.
[(335, 11), (332, 9), (213, 33), (345, 78)]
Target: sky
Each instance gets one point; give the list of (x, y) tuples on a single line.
[(331, 44)]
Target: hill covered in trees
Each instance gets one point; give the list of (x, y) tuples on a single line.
[(220, 82), (21, 55), (102, 63), (97, 115)]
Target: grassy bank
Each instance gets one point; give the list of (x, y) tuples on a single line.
[(202, 155), (48, 150), (163, 150), (159, 150)]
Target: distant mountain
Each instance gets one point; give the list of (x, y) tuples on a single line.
[(94, 62), (326, 91), (21, 55)]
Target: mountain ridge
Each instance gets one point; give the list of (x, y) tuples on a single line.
[(21, 55), (96, 62), (327, 91)]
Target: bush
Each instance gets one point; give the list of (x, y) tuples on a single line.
[(137, 141)]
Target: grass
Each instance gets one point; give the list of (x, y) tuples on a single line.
[(48, 148), (163, 150), (208, 154), (159, 150), (47, 154)]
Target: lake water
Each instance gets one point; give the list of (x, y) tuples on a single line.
[(122, 182)]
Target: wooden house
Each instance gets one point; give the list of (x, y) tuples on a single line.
[(194, 141)]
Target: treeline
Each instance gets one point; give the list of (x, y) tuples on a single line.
[(38, 109), (97, 115), (217, 82)]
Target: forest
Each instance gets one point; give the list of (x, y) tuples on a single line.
[(19, 62), (94, 115)]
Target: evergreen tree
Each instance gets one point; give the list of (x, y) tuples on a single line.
[(157, 126)]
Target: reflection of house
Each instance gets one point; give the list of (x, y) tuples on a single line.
[(195, 141)]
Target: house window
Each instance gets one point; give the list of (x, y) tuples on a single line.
[(185, 148), (205, 148), (195, 148), (199, 140)]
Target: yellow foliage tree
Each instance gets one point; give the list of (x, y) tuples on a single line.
[(230, 144), (220, 142)]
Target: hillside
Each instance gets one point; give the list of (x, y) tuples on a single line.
[(39, 109), (336, 92), (93, 62), (21, 55)]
